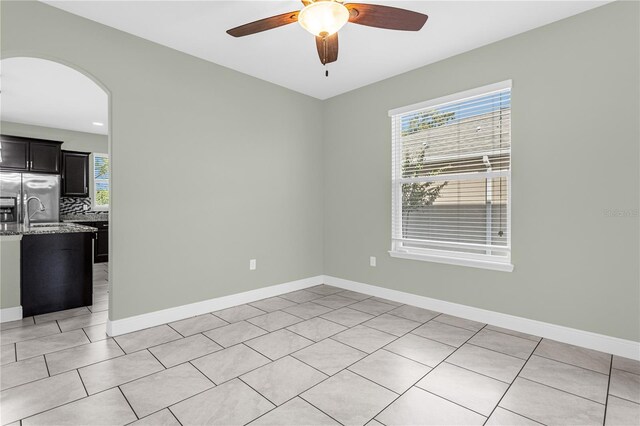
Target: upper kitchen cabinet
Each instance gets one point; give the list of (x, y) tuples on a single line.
[(75, 174), (29, 155)]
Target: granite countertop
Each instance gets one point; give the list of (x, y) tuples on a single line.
[(43, 228), (93, 217)]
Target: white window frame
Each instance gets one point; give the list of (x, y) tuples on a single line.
[(475, 260), (92, 180)]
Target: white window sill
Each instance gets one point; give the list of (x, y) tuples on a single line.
[(474, 263)]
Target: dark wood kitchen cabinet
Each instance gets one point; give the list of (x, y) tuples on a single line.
[(56, 272), (75, 174), (101, 244), (30, 155)]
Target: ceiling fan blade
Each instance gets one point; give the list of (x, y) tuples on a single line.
[(391, 18), (264, 24), (327, 48)]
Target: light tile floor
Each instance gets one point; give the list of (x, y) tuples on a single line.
[(320, 356)]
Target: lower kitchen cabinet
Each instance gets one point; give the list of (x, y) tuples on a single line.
[(56, 272), (101, 246)]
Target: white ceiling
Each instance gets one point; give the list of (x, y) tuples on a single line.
[(287, 55), (45, 93)]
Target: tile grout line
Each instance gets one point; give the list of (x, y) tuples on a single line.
[(561, 390), (127, 399), (513, 381), (433, 368)]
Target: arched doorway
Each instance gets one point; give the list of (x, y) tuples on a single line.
[(51, 100)]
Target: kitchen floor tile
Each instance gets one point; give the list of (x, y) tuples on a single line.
[(274, 321), (502, 417), (490, 363), (471, 390), (235, 333), (621, 412), (99, 306), (419, 349), (387, 301), (183, 350), (419, 407), (625, 385), (347, 317), (239, 313), (550, 406), (349, 398), (392, 371), (41, 395), (133, 342), (24, 322), (392, 324), (307, 310), (53, 316), (229, 363), (272, 304), (372, 307), (316, 329), (195, 325), (47, 344), (106, 408), (460, 322), (582, 357), (81, 356), (114, 372), (626, 364), (233, 403), (566, 377), (335, 301), (414, 314), (295, 412), (21, 372), (354, 295), (82, 321), (364, 338), (324, 289), (301, 296), (8, 354), (329, 356), (161, 418), (20, 334), (505, 343), (278, 344), (157, 391), (96, 332), (444, 333), (283, 379)]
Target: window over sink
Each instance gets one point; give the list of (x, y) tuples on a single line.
[(100, 181)]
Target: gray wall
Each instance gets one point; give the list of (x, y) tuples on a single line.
[(575, 154), (210, 167), (73, 141)]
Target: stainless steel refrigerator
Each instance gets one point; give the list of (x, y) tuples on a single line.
[(18, 187)]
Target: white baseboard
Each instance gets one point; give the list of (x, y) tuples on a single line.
[(151, 319), (11, 314), (599, 342)]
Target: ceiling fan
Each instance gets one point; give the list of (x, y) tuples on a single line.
[(323, 19)]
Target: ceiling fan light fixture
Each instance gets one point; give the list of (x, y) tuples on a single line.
[(323, 18)]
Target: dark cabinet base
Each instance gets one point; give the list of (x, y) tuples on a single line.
[(56, 272)]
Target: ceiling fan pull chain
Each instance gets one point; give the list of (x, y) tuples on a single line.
[(326, 54)]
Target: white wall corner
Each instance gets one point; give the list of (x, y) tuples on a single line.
[(599, 342), (11, 314), (151, 319)]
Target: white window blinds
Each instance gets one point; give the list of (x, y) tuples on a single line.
[(452, 177)]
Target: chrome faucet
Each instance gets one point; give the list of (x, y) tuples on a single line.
[(27, 217)]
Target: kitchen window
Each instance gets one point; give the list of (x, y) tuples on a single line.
[(100, 182), (451, 184)]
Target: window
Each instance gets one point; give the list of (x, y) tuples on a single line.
[(100, 182), (452, 179)]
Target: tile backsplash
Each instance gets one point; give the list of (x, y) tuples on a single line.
[(75, 205)]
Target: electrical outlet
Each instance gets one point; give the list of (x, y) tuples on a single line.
[(85, 207), (372, 261), (252, 265)]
